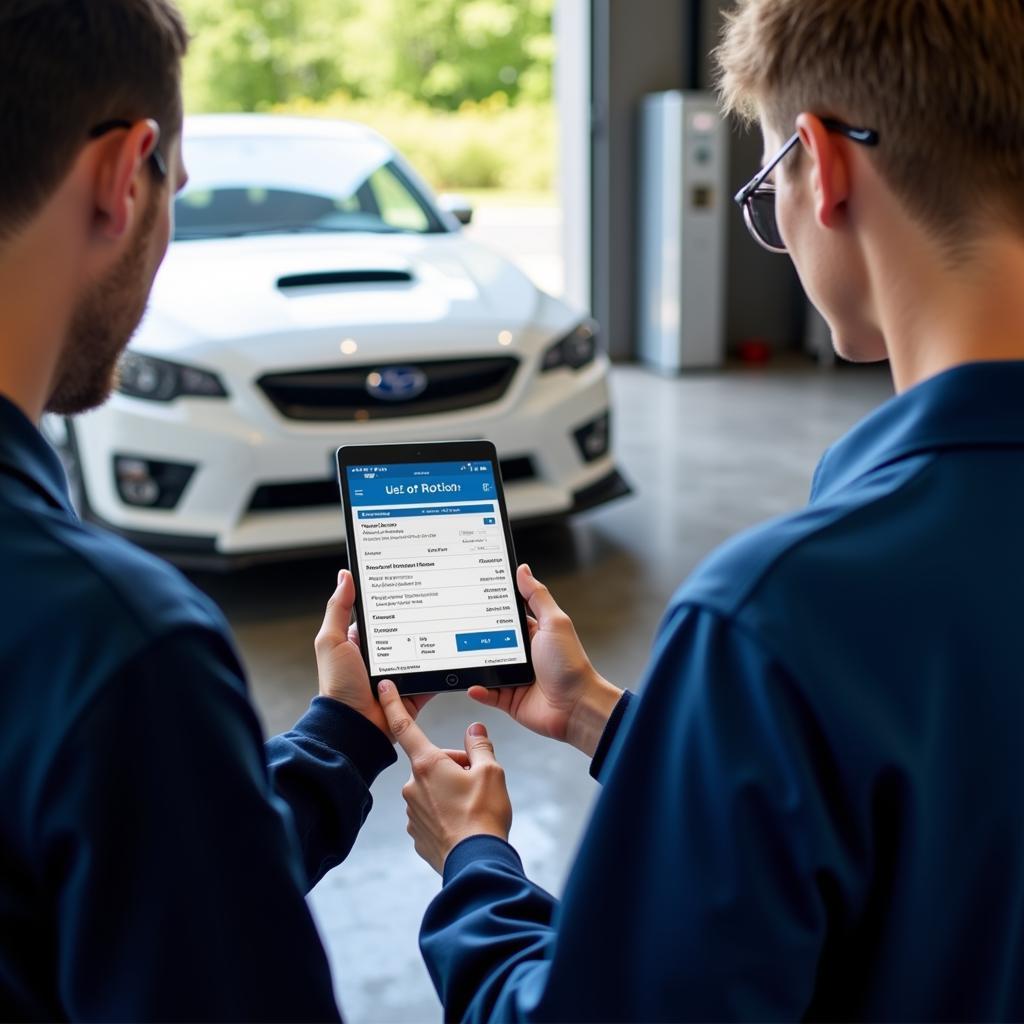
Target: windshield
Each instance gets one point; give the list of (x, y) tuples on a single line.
[(281, 185)]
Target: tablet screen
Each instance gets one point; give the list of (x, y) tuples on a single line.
[(437, 581)]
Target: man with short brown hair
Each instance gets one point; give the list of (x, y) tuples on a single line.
[(814, 809), (154, 855)]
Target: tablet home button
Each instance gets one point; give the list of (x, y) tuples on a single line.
[(452, 679)]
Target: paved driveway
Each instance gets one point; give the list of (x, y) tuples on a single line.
[(529, 235)]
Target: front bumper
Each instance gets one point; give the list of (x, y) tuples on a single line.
[(264, 487), (201, 553)]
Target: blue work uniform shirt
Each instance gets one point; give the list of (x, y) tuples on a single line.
[(154, 854), (816, 807)]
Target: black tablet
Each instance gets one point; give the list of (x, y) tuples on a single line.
[(431, 551)]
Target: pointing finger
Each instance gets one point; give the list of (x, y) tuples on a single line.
[(411, 738), (478, 745)]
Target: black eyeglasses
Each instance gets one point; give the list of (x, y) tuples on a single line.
[(155, 158), (757, 198)]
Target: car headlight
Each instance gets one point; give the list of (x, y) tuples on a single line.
[(575, 350), (161, 381)]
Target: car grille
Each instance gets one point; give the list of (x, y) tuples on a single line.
[(340, 394), (319, 493)]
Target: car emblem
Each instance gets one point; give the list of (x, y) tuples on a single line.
[(396, 383)]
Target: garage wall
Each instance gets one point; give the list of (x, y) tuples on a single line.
[(763, 293), (637, 49), (642, 46)]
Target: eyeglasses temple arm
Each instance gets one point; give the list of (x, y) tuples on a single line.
[(865, 136), (758, 179)]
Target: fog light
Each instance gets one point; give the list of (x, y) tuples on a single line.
[(149, 484), (594, 438)]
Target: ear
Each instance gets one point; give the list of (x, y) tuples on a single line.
[(829, 170), (120, 177)]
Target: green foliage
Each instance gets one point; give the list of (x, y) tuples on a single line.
[(481, 146), (254, 54), (462, 87), (248, 55)]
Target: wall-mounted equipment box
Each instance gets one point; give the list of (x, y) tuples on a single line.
[(683, 203)]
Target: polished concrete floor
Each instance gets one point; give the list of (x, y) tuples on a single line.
[(708, 455)]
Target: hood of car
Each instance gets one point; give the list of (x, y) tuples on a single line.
[(294, 299)]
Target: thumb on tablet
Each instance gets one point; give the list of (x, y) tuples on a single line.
[(537, 597)]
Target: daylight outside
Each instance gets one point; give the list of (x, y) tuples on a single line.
[(462, 88)]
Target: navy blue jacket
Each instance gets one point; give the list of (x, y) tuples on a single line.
[(816, 807), (154, 855)]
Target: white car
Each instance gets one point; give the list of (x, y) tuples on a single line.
[(315, 294)]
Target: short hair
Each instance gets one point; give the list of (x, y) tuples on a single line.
[(67, 66), (942, 81)]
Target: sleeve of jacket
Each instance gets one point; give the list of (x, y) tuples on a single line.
[(323, 769), (177, 876), (695, 894)]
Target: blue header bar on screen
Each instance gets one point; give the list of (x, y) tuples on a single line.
[(426, 510), (413, 483)]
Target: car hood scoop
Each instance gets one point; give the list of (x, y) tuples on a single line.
[(406, 286), (335, 278)]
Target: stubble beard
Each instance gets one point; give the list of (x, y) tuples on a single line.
[(102, 326)]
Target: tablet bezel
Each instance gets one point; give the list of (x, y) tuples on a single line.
[(409, 683)]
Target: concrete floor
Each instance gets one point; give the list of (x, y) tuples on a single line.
[(708, 455)]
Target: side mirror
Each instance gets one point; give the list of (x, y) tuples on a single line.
[(458, 206)]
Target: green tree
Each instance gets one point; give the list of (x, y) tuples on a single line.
[(253, 54), (447, 52)]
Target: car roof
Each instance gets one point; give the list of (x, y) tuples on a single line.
[(279, 126)]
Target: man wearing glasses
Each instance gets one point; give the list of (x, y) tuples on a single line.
[(814, 810), (154, 854)]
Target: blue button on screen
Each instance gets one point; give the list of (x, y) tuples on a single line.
[(490, 641), (490, 521)]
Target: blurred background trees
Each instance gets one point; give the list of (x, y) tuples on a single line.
[(462, 87)]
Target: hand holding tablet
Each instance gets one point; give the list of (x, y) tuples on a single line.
[(432, 555), (570, 700)]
